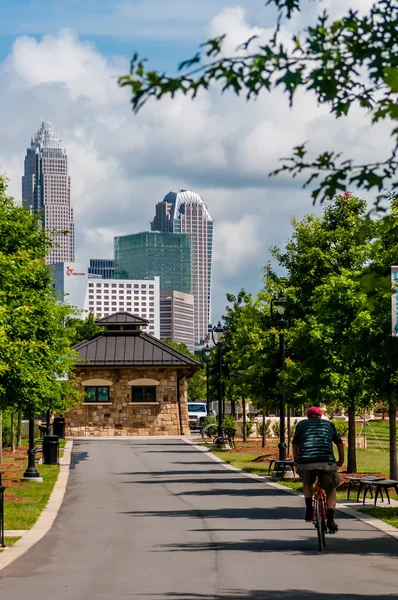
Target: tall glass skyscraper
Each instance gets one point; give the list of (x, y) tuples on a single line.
[(151, 254), (46, 190), (185, 212)]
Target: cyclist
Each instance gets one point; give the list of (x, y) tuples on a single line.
[(313, 451)]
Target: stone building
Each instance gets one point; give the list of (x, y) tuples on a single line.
[(133, 383)]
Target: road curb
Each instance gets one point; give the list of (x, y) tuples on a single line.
[(47, 517), (372, 521)]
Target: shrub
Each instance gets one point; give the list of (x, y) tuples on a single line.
[(293, 428), (249, 427), (265, 429), (341, 427), (212, 430), (276, 428), (229, 421)]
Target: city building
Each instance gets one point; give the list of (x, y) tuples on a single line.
[(46, 191), (132, 383), (184, 212), (70, 283), (155, 254), (102, 267), (105, 297), (177, 317)]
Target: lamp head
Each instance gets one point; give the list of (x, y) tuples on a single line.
[(218, 334)]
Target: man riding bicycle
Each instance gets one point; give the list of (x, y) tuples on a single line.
[(313, 452)]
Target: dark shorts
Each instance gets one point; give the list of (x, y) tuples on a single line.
[(328, 475)]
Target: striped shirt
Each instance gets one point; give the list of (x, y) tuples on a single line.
[(315, 438)]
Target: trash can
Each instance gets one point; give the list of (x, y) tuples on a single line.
[(50, 450), (59, 427)]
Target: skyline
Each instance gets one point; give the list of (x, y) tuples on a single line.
[(121, 164)]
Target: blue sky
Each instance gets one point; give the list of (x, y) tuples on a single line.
[(162, 30), (60, 59)]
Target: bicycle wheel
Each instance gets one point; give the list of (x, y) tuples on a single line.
[(208, 433), (320, 523)]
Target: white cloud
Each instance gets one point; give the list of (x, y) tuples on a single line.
[(122, 164), (65, 60), (236, 243)]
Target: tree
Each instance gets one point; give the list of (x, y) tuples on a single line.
[(83, 329), (35, 346), (381, 346), (196, 383), (329, 310), (351, 62)]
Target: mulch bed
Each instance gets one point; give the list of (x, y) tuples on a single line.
[(12, 471)]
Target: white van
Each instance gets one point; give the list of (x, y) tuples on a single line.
[(196, 413)]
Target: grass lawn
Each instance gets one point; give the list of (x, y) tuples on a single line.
[(25, 503), (368, 461), (24, 500), (9, 541), (389, 515)]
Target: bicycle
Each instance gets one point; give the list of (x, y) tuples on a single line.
[(319, 513), (210, 435)]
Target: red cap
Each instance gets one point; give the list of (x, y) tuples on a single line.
[(314, 411)]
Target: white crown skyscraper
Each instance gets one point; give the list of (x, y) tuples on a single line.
[(185, 212), (46, 190)]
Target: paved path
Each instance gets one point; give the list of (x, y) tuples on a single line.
[(158, 520)]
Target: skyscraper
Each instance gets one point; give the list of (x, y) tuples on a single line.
[(46, 190), (155, 254), (185, 212)]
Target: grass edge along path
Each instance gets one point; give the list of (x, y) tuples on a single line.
[(245, 462), (9, 541), (28, 498)]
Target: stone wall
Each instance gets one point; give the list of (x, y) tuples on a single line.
[(120, 416)]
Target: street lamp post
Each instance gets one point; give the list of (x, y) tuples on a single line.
[(31, 473), (278, 308), (218, 335), (206, 352)]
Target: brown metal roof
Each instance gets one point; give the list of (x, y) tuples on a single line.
[(122, 317), (122, 348)]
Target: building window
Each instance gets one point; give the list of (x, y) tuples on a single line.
[(143, 394), (96, 394)]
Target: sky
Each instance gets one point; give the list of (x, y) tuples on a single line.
[(60, 59)]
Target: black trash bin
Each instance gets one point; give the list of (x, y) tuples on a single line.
[(50, 450), (59, 427)]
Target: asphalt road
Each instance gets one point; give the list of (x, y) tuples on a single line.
[(156, 520)]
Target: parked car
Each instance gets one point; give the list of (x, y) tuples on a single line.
[(197, 411)]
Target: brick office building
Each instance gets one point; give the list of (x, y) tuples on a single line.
[(133, 383)]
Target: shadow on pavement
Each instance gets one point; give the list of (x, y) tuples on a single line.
[(270, 595), (204, 480), (77, 457), (251, 514), (307, 546), (170, 473)]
